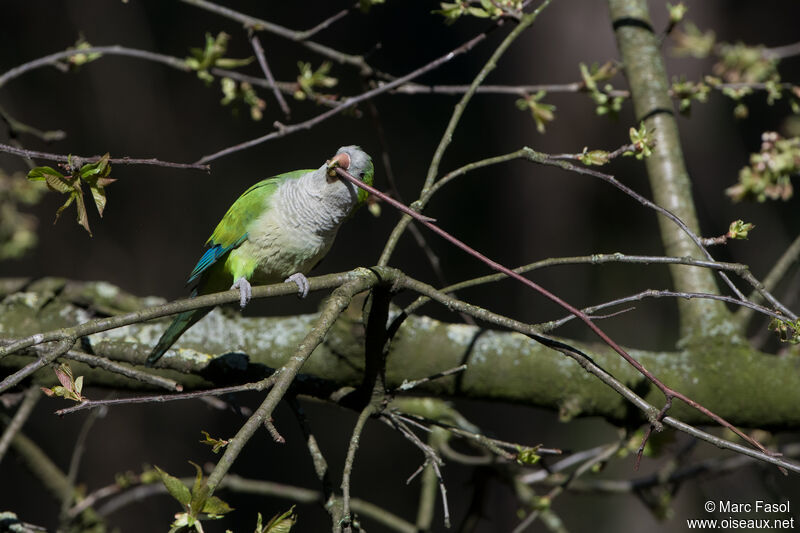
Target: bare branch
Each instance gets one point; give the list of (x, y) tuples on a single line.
[(53, 59), (653, 293), (348, 102), (160, 398), (301, 37), (262, 60), (29, 400), (349, 461), (29, 154)]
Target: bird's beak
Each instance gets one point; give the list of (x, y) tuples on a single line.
[(339, 160)]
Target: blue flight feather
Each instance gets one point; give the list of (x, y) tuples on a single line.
[(210, 257)]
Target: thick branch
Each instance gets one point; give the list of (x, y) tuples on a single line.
[(669, 179), (500, 365)]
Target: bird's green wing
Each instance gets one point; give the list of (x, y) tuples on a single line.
[(232, 229)]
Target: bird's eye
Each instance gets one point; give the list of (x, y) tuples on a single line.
[(361, 175)]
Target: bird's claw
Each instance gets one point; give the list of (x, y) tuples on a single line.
[(302, 283), (245, 291)]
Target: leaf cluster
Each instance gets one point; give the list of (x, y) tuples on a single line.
[(212, 55), (309, 79), (690, 41), (768, 176), (787, 330), (94, 175), (542, 113), (70, 388), (198, 502), (687, 91), (491, 9), (740, 229), (216, 444), (280, 523), (742, 63), (81, 59), (643, 142), (233, 92), (605, 102)]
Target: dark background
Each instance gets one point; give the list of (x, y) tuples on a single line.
[(158, 219)]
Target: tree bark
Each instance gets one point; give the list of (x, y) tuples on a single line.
[(639, 48), (502, 366)]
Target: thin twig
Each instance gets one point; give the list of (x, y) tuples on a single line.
[(285, 87), (301, 37), (349, 461), (517, 90), (317, 458), (782, 52), (573, 87), (262, 60), (161, 398), (653, 293), (563, 464), (458, 111), (326, 23), (273, 431), (29, 401), (788, 258), (348, 102), (408, 385), (123, 370), (707, 468), (586, 466), (418, 236), (53, 59), (546, 159), (496, 446), (60, 348), (93, 159), (70, 493), (50, 475), (16, 127), (599, 259), (235, 483), (432, 459)]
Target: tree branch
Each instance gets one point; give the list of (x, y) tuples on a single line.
[(54, 58), (348, 102), (501, 366), (301, 37), (29, 154)]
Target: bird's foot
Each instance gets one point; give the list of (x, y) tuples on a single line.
[(245, 291), (302, 283)]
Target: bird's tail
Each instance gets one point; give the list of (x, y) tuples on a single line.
[(181, 323)]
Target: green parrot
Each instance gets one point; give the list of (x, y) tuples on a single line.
[(278, 230)]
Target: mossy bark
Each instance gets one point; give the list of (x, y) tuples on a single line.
[(502, 366)]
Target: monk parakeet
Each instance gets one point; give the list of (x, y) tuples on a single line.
[(278, 230)]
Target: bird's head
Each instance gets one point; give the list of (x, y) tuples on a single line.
[(357, 163)]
